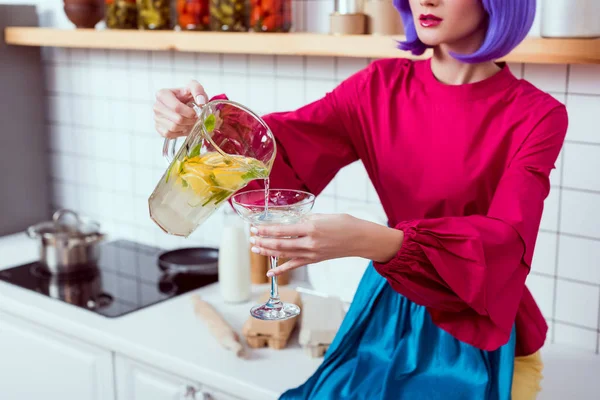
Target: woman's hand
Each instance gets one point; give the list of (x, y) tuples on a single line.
[(324, 237), (172, 116)]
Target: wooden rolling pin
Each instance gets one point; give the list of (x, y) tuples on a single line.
[(218, 327)]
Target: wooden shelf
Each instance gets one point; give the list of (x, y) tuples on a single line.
[(532, 50)]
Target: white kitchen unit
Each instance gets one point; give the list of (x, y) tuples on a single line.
[(138, 381), (37, 363)]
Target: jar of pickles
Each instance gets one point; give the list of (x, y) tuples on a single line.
[(154, 14), (228, 15), (193, 15), (271, 15), (121, 14)]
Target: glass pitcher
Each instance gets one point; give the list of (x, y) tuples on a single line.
[(228, 147)]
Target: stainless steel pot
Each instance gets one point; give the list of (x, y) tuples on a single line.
[(67, 246)]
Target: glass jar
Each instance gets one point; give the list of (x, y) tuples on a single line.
[(154, 14), (228, 15), (121, 14), (271, 15), (193, 15)]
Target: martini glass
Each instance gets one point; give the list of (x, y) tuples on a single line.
[(278, 207)]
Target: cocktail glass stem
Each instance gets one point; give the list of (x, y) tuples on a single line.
[(274, 301)]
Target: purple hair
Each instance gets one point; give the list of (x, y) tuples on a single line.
[(509, 21)]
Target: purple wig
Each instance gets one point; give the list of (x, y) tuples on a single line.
[(509, 21)]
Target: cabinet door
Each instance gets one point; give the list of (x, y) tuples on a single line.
[(137, 381), (38, 363)]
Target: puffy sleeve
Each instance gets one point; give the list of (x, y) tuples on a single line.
[(473, 268), (315, 141)]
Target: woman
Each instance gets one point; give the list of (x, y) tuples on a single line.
[(460, 152)]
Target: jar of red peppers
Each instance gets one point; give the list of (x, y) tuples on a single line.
[(271, 15), (121, 14), (193, 15)]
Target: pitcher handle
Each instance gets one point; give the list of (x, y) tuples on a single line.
[(169, 145)]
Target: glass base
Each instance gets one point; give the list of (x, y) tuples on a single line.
[(275, 311)]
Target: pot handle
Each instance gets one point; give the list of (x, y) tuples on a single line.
[(32, 233), (63, 211), (94, 238)]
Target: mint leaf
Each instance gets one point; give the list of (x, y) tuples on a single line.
[(210, 122), (195, 152)]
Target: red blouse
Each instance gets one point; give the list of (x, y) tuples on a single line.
[(462, 170)]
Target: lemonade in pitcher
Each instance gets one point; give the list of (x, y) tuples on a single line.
[(228, 147)]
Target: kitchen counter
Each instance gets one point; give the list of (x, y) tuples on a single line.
[(166, 334)]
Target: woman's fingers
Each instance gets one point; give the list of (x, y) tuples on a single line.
[(161, 110), (288, 266), (283, 231), (169, 98), (169, 129), (198, 92)]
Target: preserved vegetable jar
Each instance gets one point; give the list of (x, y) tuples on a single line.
[(154, 14), (271, 15), (193, 15), (228, 15), (121, 14)]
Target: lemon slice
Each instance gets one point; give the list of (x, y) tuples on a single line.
[(197, 184)]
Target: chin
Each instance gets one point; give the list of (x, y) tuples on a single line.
[(430, 38)]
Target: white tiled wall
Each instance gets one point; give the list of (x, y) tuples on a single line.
[(106, 155)]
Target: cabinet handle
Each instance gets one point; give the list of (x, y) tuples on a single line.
[(190, 393)]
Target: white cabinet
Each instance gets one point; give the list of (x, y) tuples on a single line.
[(37, 363), (138, 381)]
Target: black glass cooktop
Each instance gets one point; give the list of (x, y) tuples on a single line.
[(127, 278)]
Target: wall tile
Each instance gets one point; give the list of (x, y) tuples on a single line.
[(546, 77), (578, 259), (289, 94), (550, 215), (261, 95), (84, 141), (331, 189), (580, 164), (209, 62), (118, 58), (121, 118), (542, 289), (161, 60), (347, 66), (352, 182), (316, 89), (86, 172), (162, 79), (372, 196), (577, 303), (324, 205), (116, 84), (516, 69), (89, 203), (583, 121), (61, 138), (236, 88), (123, 208), (212, 83), (581, 338), (58, 78), (80, 56), (235, 64), (98, 57), (138, 60), (259, 64), (60, 55), (556, 173), (185, 61), (82, 111), (289, 66), (100, 82), (320, 67), (140, 86), (59, 109), (580, 214), (80, 81), (544, 257), (145, 180), (585, 79)]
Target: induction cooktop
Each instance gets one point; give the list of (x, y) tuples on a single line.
[(126, 278)]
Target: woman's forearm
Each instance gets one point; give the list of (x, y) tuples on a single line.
[(379, 243)]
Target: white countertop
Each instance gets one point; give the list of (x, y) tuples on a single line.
[(166, 335)]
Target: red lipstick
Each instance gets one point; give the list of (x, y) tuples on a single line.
[(429, 20)]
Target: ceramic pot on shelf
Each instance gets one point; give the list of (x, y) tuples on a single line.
[(84, 13)]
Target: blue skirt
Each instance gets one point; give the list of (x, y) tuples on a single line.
[(388, 348)]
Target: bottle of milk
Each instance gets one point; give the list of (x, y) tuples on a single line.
[(234, 262)]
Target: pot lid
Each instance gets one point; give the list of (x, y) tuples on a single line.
[(65, 223)]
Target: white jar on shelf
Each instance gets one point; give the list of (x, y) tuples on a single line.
[(570, 19)]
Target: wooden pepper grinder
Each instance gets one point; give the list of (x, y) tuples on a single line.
[(259, 265)]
